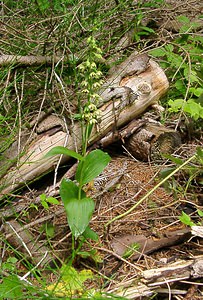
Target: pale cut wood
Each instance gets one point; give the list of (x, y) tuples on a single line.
[(28, 60), (151, 280), (113, 113)]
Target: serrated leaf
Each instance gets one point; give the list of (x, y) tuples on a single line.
[(92, 165), (62, 150)]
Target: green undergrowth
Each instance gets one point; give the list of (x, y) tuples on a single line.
[(85, 35), (182, 59)]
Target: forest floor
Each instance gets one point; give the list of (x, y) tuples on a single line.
[(153, 220)]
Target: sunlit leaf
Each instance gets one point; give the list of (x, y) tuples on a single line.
[(158, 52), (92, 165), (79, 215), (62, 150), (52, 200), (200, 212), (71, 283), (185, 219), (78, 211), (11, 287)]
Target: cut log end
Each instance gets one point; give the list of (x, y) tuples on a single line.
[(153, 140)]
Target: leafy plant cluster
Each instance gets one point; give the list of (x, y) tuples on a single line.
[(182, 59)]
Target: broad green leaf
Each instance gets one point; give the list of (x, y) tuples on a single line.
[(200, 212), (196, 91), (185, 219), (90, 234), (69, 190), (158, 52), (11, 288), (92, 165), (193, 108), (79, 213), (62, 150), (52, 200), (175, 105)]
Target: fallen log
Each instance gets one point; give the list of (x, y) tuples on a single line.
[(129, 91), (151, 281), (28, 60), (25, 244), (153, 140)]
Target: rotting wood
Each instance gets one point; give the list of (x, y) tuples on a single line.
[(114, 114), (148, 245), (144, 138), (151, 281), (24, 242), (152, 140)]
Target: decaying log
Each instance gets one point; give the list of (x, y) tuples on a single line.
[(127, 93), (144, 138), (152, 140), (24, 242), (148, 245), (151, 281)]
